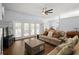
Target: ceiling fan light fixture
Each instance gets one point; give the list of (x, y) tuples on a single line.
[(46, 12), (43, 13)]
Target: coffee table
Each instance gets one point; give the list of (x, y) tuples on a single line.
[(34, 46)]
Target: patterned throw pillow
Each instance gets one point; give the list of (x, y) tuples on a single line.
[(56, 34), (62, 33)]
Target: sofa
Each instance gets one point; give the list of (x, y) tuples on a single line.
[(53, 36), (71, 46)]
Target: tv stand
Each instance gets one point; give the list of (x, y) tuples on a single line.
[(8, 37), (8, 41)]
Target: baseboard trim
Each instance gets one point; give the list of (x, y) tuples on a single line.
[(16, 39)]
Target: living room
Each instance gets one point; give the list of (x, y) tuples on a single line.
[(39, 28)]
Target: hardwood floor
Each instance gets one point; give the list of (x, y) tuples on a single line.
[(18, 48)]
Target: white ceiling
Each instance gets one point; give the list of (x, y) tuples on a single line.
[(36, 8)]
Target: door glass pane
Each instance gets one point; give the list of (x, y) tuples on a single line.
[(26, 29), (32, 29), (37, 28), (17, 29)]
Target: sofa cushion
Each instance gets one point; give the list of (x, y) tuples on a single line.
[(55, 40), (69, 40), (65, 50)]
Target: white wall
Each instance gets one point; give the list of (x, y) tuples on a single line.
[(54, 23), (67, 24), (0, 11), (0, 24), (20, 17)]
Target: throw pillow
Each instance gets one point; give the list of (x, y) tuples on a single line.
[(56, 34), (45, 33), (62, 33), (50, 33)]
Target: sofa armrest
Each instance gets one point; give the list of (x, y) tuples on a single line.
[(54, 51), (76, 49)]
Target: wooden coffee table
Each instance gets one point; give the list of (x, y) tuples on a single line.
[(34, 46)]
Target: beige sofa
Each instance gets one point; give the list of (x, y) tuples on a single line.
[(71, 46), (53, 37)]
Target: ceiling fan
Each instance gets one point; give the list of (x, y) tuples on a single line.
[(46, 12)]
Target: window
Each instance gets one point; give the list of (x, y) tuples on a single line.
[(26, 29), (32, 29), (17, 29), (37, 28)]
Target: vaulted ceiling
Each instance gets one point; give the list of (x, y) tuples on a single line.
[(35, 9)]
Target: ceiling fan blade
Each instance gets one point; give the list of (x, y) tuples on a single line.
[(50, 10)]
